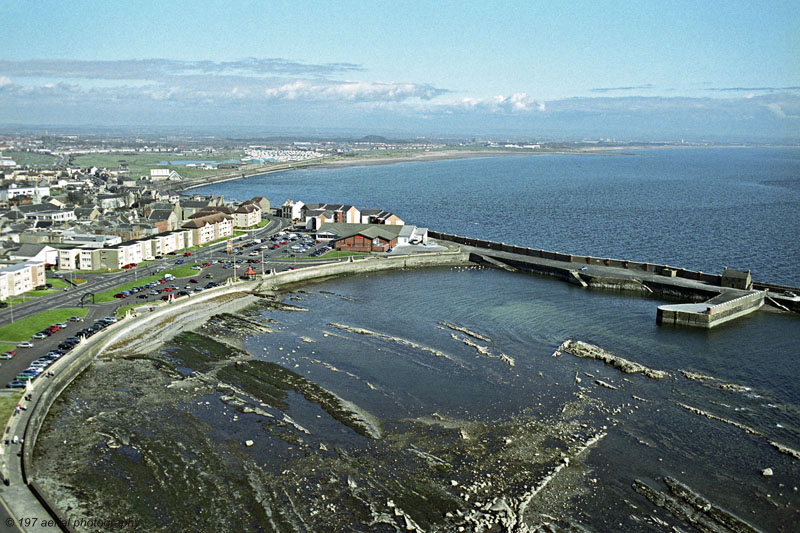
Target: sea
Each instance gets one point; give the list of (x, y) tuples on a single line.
[(482, 350)]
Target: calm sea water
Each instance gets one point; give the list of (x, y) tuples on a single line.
[(694, 208)]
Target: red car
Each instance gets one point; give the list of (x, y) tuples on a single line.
[(276, 246), (187, 254), (192, 280), (206, 264), (166, 289), (165, 297)]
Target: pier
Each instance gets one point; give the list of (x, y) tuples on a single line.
[(706, 302)]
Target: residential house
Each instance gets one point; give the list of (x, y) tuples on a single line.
[(21, 278), (292, 210), (163, 220), (379, 216), (412, 235), (247, 215), (210, 227)]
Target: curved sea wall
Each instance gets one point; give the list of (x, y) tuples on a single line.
[(147, 330)]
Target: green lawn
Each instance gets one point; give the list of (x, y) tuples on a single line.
[(22, 329), (6, 347), (181, 271), (58, 283), (7, 405)]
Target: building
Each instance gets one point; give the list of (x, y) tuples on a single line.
[(412, 235), (379, 216), (21, 278), (210, 227), (736, 279), (33, 190), (292, 210), (40, 253), (163, 220), (247, 215), (363, 237), (164, 174)]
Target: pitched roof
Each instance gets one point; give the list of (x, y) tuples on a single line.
[(387, 232), (247, 208)]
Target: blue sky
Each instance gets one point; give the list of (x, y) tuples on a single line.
[(563, 69)]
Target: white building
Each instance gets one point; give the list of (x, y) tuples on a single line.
[(13, 190), (21, 278)]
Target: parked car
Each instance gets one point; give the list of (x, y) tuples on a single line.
[(192, 280), (7, 355), (75, 319), (120, 295), (39, 335), (16, 384), (187, 254), (25, 344)]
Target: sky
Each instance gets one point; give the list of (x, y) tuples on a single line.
[(647, 70)]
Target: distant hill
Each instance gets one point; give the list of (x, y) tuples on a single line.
[(373, 139)]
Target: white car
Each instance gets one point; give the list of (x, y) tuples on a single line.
[(38, 336), (25, 344)]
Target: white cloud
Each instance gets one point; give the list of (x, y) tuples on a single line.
[(516, 103), (5, 81), (355, 91)]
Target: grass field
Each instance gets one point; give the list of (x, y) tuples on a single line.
[(6, 347), (182, 271), (31, 158), (139, 164), (22, 329)]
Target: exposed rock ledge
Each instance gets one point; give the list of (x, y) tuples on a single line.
[(590, 351)]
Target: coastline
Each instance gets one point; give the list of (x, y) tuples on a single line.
[(422, 157)]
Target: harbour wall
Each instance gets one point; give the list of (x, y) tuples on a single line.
[(576, 261)]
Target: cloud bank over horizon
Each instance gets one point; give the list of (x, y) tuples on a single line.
[(276, 92)]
